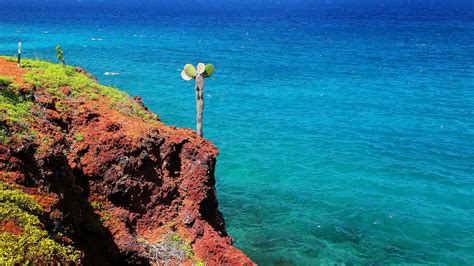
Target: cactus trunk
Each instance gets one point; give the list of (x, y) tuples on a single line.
[(199, 103)]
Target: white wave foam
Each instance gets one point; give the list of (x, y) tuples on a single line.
[(111, 73)]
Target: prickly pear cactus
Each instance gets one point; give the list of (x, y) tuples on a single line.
[(190, 72), (203, 71)]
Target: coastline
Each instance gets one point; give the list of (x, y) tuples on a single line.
[(104, 169)]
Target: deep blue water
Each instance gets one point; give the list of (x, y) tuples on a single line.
[(346, 135)]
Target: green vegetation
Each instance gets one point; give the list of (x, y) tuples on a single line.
[(199, 263), (54, 77), (79, 137), (190, 70), (172, 247), (5, 82), (208, 70), (60, 54), (32, 244), (8, 194), (9, 58), (97, 205), (186, 247), (104, 214), (203, 71), (15, 112)]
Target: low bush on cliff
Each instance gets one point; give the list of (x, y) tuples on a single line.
[(171, 248), (29, 243), (15, 113), (5, 82), (53, 77), (16, 110)]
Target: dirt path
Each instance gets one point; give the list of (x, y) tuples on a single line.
[(10, 69)]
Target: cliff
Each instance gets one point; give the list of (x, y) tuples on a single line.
[(89, 175)]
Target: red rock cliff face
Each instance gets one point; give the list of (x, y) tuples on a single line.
[(117, 184)]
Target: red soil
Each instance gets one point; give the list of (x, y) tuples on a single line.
[(10, 227), (11, 69), (127, 180)]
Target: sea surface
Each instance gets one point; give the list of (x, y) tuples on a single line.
[(346, 135)]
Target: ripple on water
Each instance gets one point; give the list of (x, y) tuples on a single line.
[(335, 147)]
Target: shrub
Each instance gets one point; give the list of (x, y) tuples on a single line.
[(172, 247), (60, 54), (5, 82), (15, 111), (79, 137), (32, 244), (53, 77)]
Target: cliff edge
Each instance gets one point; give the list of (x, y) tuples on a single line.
[(89, 175)]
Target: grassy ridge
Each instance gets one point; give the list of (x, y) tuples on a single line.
[(16, 110), (23, 239), (53, 77)]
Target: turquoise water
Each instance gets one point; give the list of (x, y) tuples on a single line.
[(346, 136)]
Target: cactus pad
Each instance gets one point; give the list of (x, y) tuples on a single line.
[(185, 76), (201, 68), (190, 70), (209, 70)]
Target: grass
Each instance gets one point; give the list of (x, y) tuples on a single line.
[(53, 77), (5, 82), (15, 112), (33, 244)]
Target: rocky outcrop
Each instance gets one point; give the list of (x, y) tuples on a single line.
[(115, 183)]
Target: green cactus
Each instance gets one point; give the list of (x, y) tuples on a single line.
[(203, 71)]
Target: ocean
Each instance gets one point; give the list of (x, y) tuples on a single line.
[(346, 135)]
